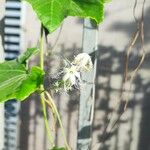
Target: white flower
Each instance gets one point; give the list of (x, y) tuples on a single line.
[(71, 74), (83, 62)]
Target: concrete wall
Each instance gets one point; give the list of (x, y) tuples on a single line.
[(115, 33)]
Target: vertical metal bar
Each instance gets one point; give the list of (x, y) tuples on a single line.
[(2, 8), (87, 94)]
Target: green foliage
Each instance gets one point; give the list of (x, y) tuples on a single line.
[(53, 12), (56, 148), (93, 9), (18, 82), (30, 52)]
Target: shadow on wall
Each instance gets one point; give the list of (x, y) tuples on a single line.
[(129, 28), (31, 110), (110, 64), (141, 93), (107, 57), (109, 73), (110, 67)]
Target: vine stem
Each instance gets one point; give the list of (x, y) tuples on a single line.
[(49, 133), (51, 103), (42, 51)]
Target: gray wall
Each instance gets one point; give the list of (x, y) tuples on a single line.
[(115, 33)]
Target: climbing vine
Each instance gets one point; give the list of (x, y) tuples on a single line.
[(18, 81)]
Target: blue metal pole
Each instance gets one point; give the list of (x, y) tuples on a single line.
[(87, 94)]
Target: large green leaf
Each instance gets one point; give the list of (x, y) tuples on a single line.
[(18, 82), (93, 9), (53, 12)]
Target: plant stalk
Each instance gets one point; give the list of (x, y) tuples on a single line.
[(49, 133), (51, 102)]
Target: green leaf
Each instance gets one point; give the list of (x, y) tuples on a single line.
[(57, 148), (93, 9), (18, 83), (53, 12), (30, 52)]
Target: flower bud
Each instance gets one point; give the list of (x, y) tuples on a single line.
[(83, 62)]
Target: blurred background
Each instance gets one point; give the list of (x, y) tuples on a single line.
[(24, 123)]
